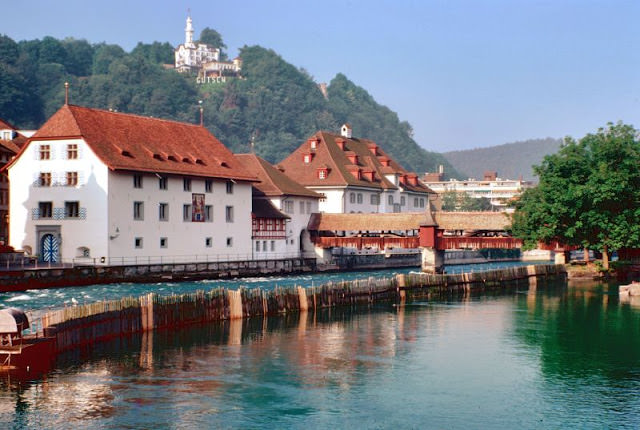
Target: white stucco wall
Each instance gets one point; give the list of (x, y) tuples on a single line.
[(89, 230), (298, 222), (184, 239)]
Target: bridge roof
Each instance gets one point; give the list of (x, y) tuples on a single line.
[(367, 222), (492, 221)]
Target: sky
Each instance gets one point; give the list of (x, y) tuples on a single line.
[(464, 73)]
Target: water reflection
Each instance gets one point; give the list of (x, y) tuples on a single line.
[(535, 357)]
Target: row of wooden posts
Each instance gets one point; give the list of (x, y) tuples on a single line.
[(80, 325)]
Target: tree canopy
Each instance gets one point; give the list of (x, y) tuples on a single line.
[(588, 195)]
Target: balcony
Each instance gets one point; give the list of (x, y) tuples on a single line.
[(58, 214)]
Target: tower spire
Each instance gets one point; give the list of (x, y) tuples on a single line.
[(66, 93), (188, 31)]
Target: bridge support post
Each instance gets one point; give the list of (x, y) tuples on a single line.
[(432, 260), (323, 255), (560, 257)]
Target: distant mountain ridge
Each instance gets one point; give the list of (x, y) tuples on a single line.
[(510, 160)]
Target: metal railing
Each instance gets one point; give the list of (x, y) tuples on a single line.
[(35, 263)]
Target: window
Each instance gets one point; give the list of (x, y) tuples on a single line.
[(264, 245), (415, 202), (163, 183), (402, 201), (229, 187), (359, 198), (422, 203), (45, 209), (352, 197), (137, 181), (273, 245), (301, 207), (186, 212), (208, 213), (138, 211), (322, 174), (229, 242), (307, 158), (45, 152), (375, 199), (208, 186), (208, 242), (229, 213), (45, 179), (186, 184), (72, 179), (390, 200), (137, 242), (71, 209), (257, 246), (288, 207), (163, 242), (163, 212), (308, 207), (72, 151)]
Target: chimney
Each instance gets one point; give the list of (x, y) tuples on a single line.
[(441, 169), (345, 131)]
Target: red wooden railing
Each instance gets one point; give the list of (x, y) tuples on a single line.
[(464, 242), (367, 242)]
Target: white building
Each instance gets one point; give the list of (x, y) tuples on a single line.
[(202, 57), (104, 187), (497, 190), (355, 175), (292, 199)]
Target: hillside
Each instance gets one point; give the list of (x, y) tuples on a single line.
[(510, 160), (275, 105)]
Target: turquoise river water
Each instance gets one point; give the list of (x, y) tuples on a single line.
[(540, 357)]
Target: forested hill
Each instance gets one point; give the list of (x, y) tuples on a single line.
[(510, 160), (275, 105)]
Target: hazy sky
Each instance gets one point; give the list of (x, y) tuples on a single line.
[(464, 73)]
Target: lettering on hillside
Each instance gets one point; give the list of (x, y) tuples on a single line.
[(211, 79)]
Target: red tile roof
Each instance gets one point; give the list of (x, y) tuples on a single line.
[(369, 222), (272, 181), (328, 153), (137, 143)]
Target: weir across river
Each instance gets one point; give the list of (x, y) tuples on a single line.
[(79, 326)]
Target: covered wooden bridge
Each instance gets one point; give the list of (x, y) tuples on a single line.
[(440, 230)]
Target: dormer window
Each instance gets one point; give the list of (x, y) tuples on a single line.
[(313, 144), (353, 158), (340, 142), (323, 172), (158, 157), (306, 158), (172, 158)]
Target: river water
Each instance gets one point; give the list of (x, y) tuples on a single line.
[(542, 357)]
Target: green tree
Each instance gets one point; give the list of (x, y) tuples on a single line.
[(212, 38), (588, 195), (8, 50), (155, 52)]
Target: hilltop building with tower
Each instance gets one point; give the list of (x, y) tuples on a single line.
[(203, 59)]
